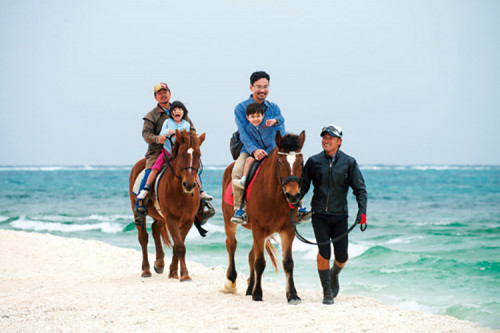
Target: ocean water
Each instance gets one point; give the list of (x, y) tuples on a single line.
[(432, 243)]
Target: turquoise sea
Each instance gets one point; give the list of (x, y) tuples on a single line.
[(432, 243)]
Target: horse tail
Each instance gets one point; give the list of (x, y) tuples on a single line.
[(166, 237), (272, 252)]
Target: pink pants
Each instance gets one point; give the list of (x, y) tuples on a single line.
[(160, 161)]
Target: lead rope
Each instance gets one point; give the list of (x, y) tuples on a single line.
[(305, 240)]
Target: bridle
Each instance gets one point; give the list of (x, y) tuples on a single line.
[(288, 179), (182, 169)]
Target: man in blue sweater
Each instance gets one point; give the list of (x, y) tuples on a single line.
[(259, 86)]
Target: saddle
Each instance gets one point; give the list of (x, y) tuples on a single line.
[(252, 172)]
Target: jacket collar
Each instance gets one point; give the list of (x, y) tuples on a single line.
[(335, 157)]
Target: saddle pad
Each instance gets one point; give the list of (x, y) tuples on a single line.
[(137, 183), (228, 193), (154, 199)]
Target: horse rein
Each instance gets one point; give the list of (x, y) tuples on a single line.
[(306, 241), (182, 169)]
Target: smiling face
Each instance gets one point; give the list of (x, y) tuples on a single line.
[(163, 97), (255, 118), (177, 114), (330, 143), (260, 89)]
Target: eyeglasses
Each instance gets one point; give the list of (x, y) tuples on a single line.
[(261, 87)]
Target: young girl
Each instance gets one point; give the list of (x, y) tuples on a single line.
[(176, 121)]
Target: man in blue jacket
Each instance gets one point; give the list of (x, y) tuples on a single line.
[(332, 173), (259, 86)]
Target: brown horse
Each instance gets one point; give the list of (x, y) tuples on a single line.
[(275, 190), (179, 199)]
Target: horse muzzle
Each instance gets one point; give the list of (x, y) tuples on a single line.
[(188, 187), (293, 198)]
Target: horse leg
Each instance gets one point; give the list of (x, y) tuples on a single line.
[(259, 266), (159, 263), (231, 243), (251, 279), (181, 251), (176, 249), (286, 243), (143, 240)]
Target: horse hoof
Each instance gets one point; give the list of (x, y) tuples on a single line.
[(257, 299), (295, 301), (186, 279), (158, 269), (229, 287), (146, 274)]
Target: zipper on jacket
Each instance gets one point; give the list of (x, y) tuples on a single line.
[(328, 192)]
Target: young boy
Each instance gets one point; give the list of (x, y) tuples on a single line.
[(177, 121), (264, 136)]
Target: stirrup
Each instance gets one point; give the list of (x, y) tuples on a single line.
[(303, 215)]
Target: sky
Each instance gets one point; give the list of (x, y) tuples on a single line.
[(410, 82)]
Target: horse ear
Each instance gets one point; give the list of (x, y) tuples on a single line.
[(278, 139), (178, 136), (302, 139), (202, 138)]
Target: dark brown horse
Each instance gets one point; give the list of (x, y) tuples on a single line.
[(275, 189), (179, 199)]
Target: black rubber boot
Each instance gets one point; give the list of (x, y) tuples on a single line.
[(334, 279), (324, 276), (139, 219)]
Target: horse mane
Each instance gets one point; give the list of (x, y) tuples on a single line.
[(290, 143), (185, 137)]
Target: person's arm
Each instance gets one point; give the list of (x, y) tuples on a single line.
[(191, 126), (357, 184), (305, 181), (148, 132), (278, 118)]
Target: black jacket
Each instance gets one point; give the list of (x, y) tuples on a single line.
[(331, 180)]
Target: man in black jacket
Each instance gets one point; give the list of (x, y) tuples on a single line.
[(332, 173)]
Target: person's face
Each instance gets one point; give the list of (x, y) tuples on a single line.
[(330, 144), (255, 119), (260, 89), (177, 114), (163, 96)]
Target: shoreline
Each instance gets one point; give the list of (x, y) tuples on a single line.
[(52, 283)]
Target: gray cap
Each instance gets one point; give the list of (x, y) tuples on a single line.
[(332, 130)]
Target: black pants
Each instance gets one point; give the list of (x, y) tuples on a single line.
[(327, 227)]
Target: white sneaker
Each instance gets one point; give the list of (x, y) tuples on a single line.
[(142, 194), (205, 196)]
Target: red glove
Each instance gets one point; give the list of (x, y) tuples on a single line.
[(361, 218)]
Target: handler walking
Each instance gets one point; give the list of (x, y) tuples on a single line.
[(332, 172)]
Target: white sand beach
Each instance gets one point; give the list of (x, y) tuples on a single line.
[(56, 284)]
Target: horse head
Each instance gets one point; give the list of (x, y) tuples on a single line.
[(289, 164), (186, 155)]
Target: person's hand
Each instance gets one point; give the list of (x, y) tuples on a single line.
[(162, 139), (259, 154), (361, 220), (271, 122), (171, 132)]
